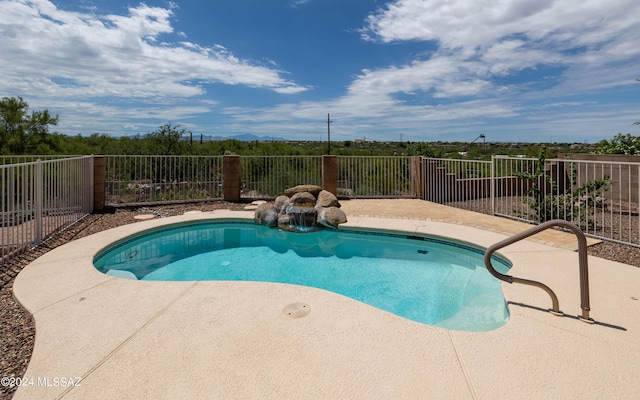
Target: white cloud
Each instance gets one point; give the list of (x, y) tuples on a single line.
[(469, 24), (476, 45), (472, 71), (503, 37), (298, 3), (114, 55), (470, 76)]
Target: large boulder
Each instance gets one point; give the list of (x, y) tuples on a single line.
[(331, 217), (327, 199), (304, 208), (281, 202), (313, 189), (266, 214), (303, 199)]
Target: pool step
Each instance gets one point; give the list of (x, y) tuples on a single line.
[(483, 314), (453, 289), (482, 310)]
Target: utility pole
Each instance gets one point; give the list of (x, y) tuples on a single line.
[(329, 134)]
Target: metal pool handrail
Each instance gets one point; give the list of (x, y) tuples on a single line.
[(582, 260)]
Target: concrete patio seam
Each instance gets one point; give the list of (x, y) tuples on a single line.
[(62, 299), (128, 339), (465, 372)]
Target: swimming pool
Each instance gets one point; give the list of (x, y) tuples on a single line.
[(427, 279)]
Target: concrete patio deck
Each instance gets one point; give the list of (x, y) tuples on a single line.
[(125, 339)]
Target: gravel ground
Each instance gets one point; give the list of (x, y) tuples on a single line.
[(17, 330), (616, 252), (619, 222)]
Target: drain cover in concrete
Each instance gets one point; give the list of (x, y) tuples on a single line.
[(297, 310)]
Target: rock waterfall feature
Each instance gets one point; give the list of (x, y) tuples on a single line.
[(303, 208)]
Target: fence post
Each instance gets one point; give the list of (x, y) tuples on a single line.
[(99, 178), (38, 194), (416, 177), (330, 174), (89, 184), (231, 173)]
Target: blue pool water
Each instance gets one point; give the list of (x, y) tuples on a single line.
[(422, 278)]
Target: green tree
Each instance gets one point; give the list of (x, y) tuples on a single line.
[(166, 139), (420, 149), (24, 133), (547, 201), (620, 144)]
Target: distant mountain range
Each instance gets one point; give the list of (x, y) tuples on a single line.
[(247, 137)]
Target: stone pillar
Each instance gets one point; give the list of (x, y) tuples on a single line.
[(330, 174), (231, 178), (99, 178)]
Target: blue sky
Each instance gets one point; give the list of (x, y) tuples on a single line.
[(416, 70)]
